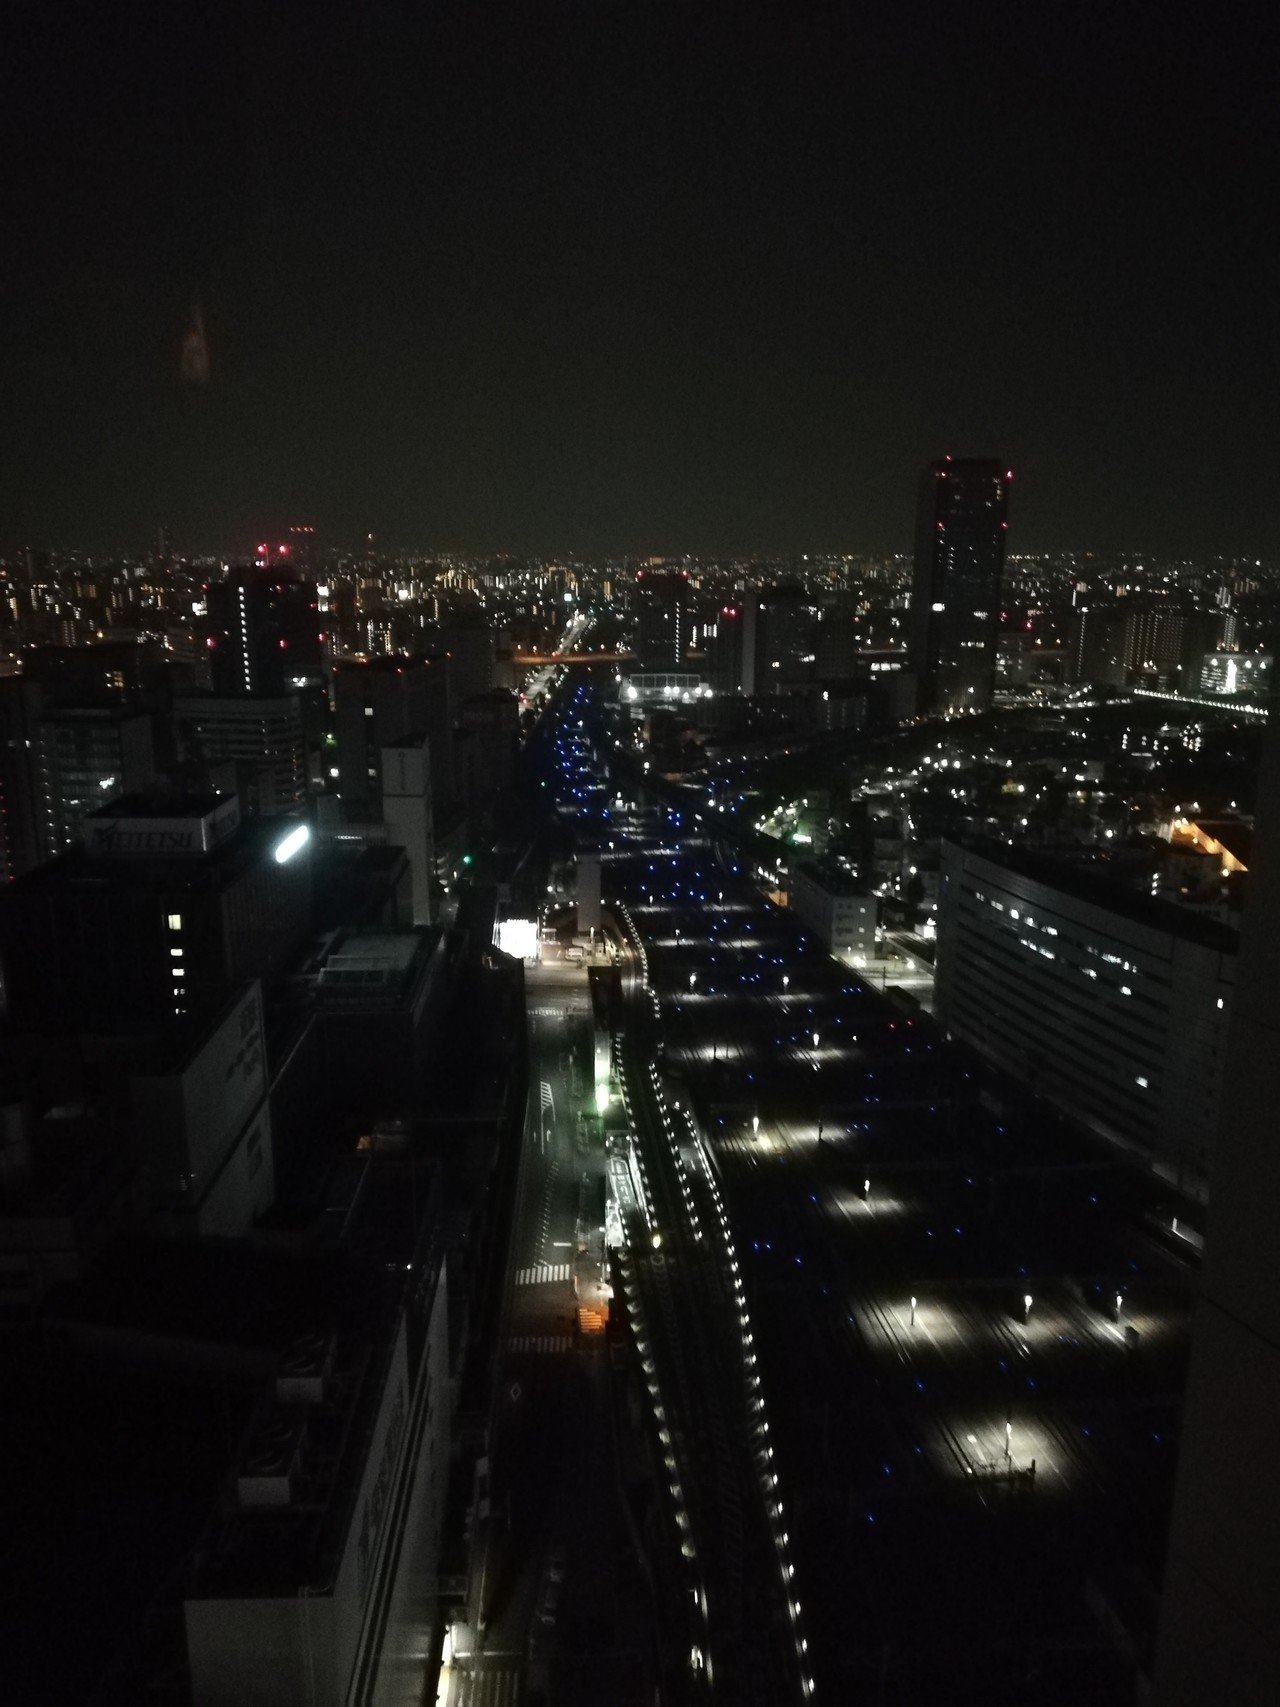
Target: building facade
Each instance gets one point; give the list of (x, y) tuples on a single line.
[(662, 618), (262, 734), (376, 704), (264, 632), (321, 1572), (87, 757), (1114, 1006), (835, 906), (961, 523)]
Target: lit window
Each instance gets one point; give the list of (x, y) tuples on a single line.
[(1143, 1082), (179, 971), (176, 953), (1125, 990), (175, 921)]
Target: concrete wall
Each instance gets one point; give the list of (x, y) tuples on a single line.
[(207, 1123)]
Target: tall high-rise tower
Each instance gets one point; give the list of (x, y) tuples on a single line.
[(263, 631), (662, 618), (955, 602)]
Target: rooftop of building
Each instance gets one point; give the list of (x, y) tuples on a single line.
[(1088, 879), (832, 877), (243, 704), (214, 868), (326, 1298), (160, 803), (374, 966)]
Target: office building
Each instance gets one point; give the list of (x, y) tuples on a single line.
[(200, 1126), (261, 734), (1219, 1638), (956, 587), (662, 618), (264, 633), (1247, 674), (1127, 642), (835, 639), (85, 757), (731, 647), (1109, 1002), (378, 702), (786, 629), (166, 909), (471, 648), (1098, 648), (836, 906), (320, 1571), (19, 816), (406, 812), (492, 722), (1154, 644)]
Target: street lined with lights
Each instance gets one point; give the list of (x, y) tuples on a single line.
[(877, 1224)]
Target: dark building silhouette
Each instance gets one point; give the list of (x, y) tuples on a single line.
[(264, 632), (19, 817), (168, 906), (1219, 1637), (378, 702), (662, 617), (955, 604), (731, 646)]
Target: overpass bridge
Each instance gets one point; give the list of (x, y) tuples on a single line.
[(539, 660)]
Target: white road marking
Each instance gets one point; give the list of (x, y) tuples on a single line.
[(543, 1273)]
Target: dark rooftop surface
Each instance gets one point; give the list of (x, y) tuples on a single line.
[(1092, 882)]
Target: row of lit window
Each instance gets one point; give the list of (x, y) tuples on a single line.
[(179, 971)]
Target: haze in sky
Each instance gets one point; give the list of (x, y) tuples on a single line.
[(593, 278)]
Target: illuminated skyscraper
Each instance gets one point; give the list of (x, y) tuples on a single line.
[(959, 561)]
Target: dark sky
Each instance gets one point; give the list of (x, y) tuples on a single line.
[(601, 276)]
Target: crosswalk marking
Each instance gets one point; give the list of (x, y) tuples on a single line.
[(543, 1272), (490, 1688), (541, 1342)]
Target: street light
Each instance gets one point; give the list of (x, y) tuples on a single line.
[(785, 981), (815, 1040), (1026, 1306), (693, 979), (755, 1125), (913, 1309)]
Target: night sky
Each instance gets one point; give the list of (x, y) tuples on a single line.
[(605, 276)]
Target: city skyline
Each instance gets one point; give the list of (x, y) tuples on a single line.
[(639, 793)]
